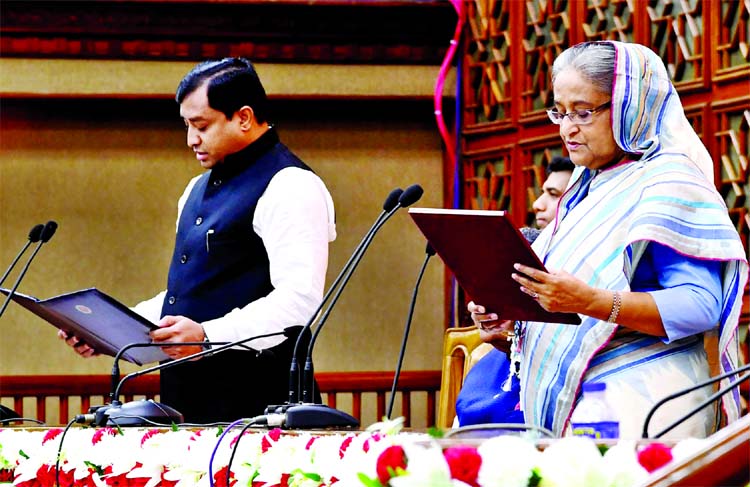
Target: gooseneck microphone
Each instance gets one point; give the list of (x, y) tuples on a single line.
[(34, 236), (140, 413), (429, 251), (705, 403), (294, 379), (45, 234), (410, 196)]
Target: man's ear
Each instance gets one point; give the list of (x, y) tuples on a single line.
[(246, 116)]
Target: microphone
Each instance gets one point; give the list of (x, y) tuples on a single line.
[(142, 413), (410, 196), (705, 403), (429, 251), (45, 234), (391, 202), (34, 235)]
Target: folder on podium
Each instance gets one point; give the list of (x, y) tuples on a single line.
[(100, 320), (480, 248)]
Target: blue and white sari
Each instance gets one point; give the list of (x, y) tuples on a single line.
[(604, 222)]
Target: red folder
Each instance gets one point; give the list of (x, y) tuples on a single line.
[(480, 248)]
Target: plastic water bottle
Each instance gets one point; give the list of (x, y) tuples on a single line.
[(594, 417)]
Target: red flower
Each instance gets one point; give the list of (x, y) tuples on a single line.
[(654, 456), (366, 445), (464, 463), (310, 442), (51, 435), (115, 480), (392, 458), (274, 435), (97, 437), (344, 445), (220, 478), (6, 475), (148, 434), (46, 476)]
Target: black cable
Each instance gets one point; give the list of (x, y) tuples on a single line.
[(430, 253), (22, 420), (712, 398), (59, 451), (256, 421), (494, 426)]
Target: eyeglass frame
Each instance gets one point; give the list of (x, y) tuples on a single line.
[(576, 114)]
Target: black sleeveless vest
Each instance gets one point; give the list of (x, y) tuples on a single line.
[(220, 264)]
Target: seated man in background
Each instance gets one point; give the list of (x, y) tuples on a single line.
[(558, 174)]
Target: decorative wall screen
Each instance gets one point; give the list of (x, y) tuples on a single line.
[(507, 55)]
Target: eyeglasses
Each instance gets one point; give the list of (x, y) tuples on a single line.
[(578, 117)]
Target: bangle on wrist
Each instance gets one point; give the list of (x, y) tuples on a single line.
[(616, 304)]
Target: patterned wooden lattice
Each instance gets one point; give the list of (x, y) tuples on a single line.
[(488, 95), (733, 48), (677, 36), (546, 35), (487, 184), (608, 20), (733, 142)]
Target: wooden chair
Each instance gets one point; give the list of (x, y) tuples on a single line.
[(462, 348)]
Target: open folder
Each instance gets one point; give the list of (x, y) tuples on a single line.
[(480, 248), (99, 320)]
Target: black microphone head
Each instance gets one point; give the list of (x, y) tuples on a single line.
[(49, 229), (411, 195), (293, 331), (36, 233), (392, 200), (429, 250)]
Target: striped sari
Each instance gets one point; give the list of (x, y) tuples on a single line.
[(665, 196)]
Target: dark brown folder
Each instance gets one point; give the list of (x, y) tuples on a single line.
[(99, 320), (480, 248)]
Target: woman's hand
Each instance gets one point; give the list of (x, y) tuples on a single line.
[(556, 290)]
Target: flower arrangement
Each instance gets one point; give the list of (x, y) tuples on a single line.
[(379, 457)]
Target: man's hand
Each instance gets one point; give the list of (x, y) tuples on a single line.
[(78, 345), (179, 329)]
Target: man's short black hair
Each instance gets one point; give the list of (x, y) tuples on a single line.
[(232, 84), (560, 163)]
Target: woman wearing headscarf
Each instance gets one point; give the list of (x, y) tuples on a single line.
[(641, 247)]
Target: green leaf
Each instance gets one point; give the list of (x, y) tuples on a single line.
[(174, 427), (23, 454), (367, 481), (435, 432), (535, 478), (99, 470)]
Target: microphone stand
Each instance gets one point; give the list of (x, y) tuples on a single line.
[(407, 198), (34, 235), (133, 413), (705, 403), (47, 232), (430, 252), (308, 372), (294, 379)]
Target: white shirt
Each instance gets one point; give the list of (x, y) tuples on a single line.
[(295, 218)]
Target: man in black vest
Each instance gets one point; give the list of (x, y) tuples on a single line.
[(250, 255)]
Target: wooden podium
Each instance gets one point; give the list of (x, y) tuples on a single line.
[(723, 461)]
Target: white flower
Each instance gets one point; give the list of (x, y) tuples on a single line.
[(621, 465), (572, 461), (507, 461), (426, 467)]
